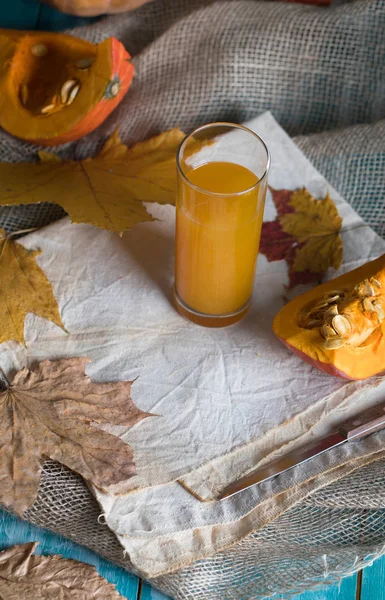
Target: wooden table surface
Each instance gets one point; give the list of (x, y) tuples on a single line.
[(366, 585)]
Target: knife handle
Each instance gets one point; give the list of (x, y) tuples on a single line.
[(363, 424)]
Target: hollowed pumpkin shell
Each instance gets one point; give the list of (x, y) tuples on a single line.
[(339, 326), (55, 88)]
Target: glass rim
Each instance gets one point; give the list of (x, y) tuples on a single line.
[(229, 125)]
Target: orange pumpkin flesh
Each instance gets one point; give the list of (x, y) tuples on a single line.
[(55, 88), (339, 326)]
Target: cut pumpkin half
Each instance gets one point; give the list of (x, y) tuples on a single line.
[(55, 88), (339, 326)]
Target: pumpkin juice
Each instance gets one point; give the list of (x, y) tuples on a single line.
[(218, 225)]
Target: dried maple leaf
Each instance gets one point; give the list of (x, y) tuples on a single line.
[(24, 575), (305, 234), (51, 412), (107, 190), (24, 289)]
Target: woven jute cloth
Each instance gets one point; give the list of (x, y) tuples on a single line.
[(322, 74)]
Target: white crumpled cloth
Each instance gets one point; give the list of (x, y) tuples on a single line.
[(226, 399)]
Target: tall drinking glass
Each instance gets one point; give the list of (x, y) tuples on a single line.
[(222, 180)]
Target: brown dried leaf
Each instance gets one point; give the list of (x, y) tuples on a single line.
[(24, 289), (51, 412), (26, 576)]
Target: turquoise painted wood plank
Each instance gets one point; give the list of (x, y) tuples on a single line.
[(373, 581), (53, 20), (19, 14), (14, 531), (346, 590), (149, 593), (30, 14)]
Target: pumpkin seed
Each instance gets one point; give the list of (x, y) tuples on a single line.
[(367, 305), (334, 343), (379, 310), (24, 94), (313, 323), (39, 50), (74, 92), (47, 109), (357, 290), (115, 89), (369, 289), (376, 282), (66, 90), (341, 325), (327, 331), (333, 298), (320, 306), (364, 289), (331, 312), (85, 63)]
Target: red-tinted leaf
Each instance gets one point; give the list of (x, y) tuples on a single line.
[(305, 234)]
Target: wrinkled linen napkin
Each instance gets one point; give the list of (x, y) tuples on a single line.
[(226, 400)]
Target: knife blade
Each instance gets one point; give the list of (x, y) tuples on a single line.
[(359, 426)]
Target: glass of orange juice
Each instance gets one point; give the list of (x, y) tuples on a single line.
[(222, 181)]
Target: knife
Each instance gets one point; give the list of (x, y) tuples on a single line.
[(369, 421)]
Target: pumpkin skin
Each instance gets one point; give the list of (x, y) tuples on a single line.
[(357, 358), (35, 69), (90, 8)]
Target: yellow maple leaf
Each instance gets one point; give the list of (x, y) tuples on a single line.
[(24, 289), (316, 225), (107, 190)]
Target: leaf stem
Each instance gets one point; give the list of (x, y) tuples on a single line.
[(13, 233), (22, 231), (4, 383)]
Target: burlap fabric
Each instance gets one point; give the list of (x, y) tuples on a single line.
[(315, 69)]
